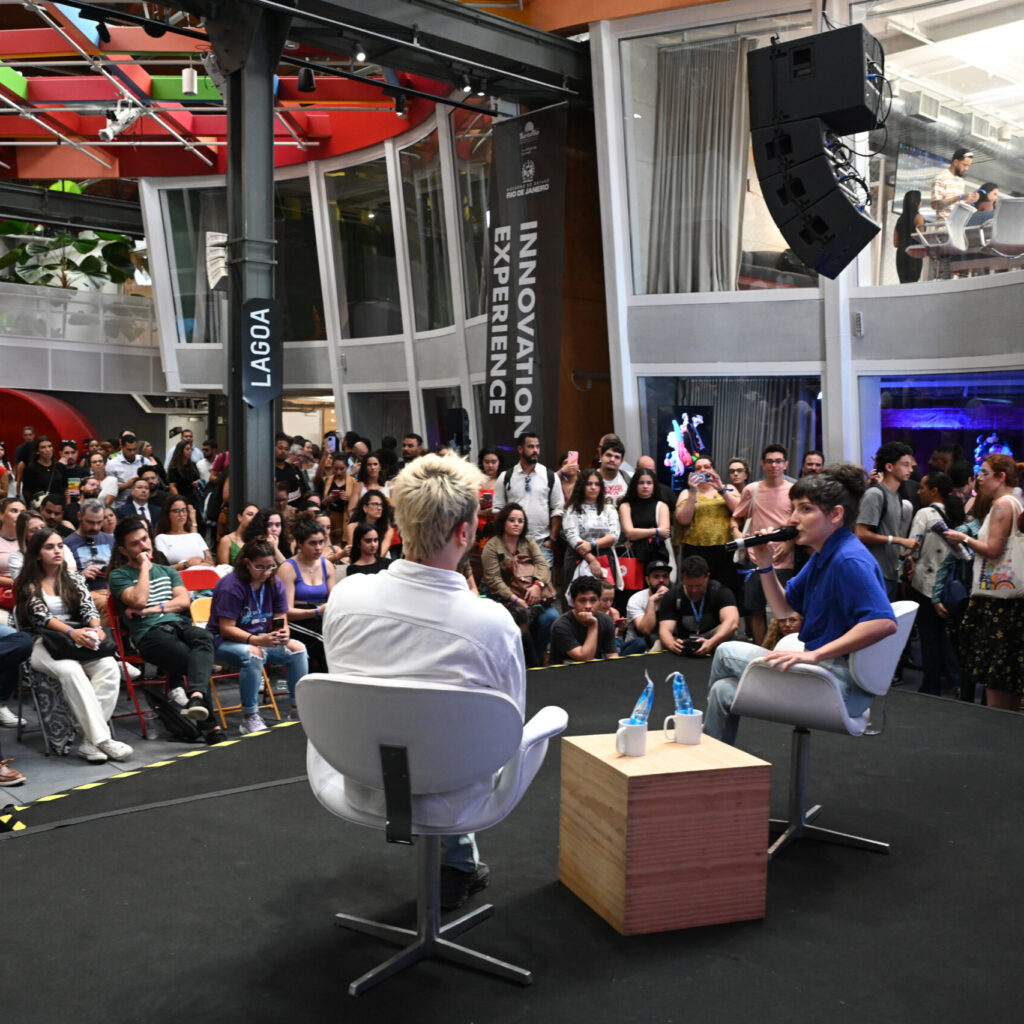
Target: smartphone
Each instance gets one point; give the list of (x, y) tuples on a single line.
[(332, 443), (572, 458), (277, 623), (702, 478)]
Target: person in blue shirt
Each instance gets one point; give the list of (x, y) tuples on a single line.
[(839, 592)]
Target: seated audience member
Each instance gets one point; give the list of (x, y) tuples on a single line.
[(155, 607), (780, 628), (50, 597), (15, 647), (839, 592), (52, 508), (583, 633), (373, 508), (6, 472), (332, 552), (107, 481), (268, 525), (44, 473), (329, 484), (607, 607), (109, 521), (590, 526), (138, 505), (93, 547), (308, 578), (697, 614), (126, 466), (89, 490), (158, 492), (231, 543), (295, 483), (28, 525), (285, 510), (176, 537), (10, 509), (642, 607), (250, 628), (515, 573), (365, 559)]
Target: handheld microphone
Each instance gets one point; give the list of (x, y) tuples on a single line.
[(782, 533)]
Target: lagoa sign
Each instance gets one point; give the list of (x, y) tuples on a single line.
[(261, 351)]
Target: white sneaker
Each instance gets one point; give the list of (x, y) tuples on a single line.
[(91, 753), (115, 749), (9, 719), (252, 723), (178, 696), (134, 672)]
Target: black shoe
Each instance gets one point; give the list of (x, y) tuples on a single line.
[(196, 710), (457, 886), (214, 736)]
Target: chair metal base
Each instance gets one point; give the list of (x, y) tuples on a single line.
[(799, 824), (430, 938)]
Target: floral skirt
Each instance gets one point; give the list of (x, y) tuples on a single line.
[(991, 639)]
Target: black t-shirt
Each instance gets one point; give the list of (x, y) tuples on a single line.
[(368, 570), (22, 453), (568, 633), (40, 479), (675, 605), (298, 487)]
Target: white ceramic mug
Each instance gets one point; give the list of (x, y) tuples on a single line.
[(631, 740), (686, 728)]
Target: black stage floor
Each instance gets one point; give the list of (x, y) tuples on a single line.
[(204, 890)]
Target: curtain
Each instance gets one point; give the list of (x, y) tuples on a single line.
[(749, 413), (211, 289), (700, 167)]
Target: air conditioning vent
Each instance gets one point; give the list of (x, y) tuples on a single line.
[(922, 106), (980, 128)]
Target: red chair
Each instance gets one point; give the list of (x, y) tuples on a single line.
[(199, 577), (127, 657)]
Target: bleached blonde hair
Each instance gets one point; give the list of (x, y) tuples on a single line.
[(432, 496)]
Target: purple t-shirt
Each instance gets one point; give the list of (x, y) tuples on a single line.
[(252, 611)]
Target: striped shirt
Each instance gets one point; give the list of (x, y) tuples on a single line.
[(947, 186)]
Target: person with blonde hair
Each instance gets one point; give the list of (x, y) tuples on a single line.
[(419, 620)]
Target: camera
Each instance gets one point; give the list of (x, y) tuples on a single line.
[(692, 644), (702, 478)]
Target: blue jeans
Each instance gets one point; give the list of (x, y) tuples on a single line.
[(15, 648), (732, 658), (250, 669), (540, 630), (460, 852)]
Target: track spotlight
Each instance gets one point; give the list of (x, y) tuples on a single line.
[(189, 82), (400, 105), (104, 32), (307, 80), (481, 87), (467, 85), (359, 53), (155, 29)]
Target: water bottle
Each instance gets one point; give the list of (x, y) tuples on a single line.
[(680, 693)]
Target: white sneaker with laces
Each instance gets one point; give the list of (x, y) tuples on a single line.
[(252, 723), (134, 672), (91, 753), (9, 719), (115, 749), (178, 696)]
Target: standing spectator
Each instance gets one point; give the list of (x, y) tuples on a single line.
[(880, 513), (245, 604), (158, 493), (50, 597), (109, 484), (992, 635), (767, 505), (583, 633), (189, 436), (6, 472), (533, 487), (568, 471), (156, 610), (126, 466), (371, 477), (615, 478), (285, 473), (23, 453), (183, 475), (490, 465), (814, 462), (706, 517), (949, 186), (45, 473), (89, 491), (210, 450), (739, 473), (330, 486), (412, 449), (908, 268), (591, 528), (644, 517)]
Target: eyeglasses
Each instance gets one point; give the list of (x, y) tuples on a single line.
[(179, 511), (774, 462), (528, 478), (736, 469), (264, 568)]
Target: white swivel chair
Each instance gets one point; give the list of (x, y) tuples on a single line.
[(810, 697), (420, 759), (1006, 229), (956, 225)]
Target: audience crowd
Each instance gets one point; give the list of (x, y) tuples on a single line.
[(590, 561)]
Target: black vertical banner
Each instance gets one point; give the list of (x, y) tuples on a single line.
[(524, 275)]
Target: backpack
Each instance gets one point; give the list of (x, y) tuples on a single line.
[(177, 725), (508, 476)]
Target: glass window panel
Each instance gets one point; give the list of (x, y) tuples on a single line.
[(729, 417), (377, 414), (438, 402), (471, 140), (698, 221), (423, 194), (364, 247), (297, 274)]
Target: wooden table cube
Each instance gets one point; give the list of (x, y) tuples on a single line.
[(674, 839)]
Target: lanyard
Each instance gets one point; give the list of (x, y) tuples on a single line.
[(698, 613), (258, 600)]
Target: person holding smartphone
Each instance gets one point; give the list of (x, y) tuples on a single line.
[(247, 619)]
